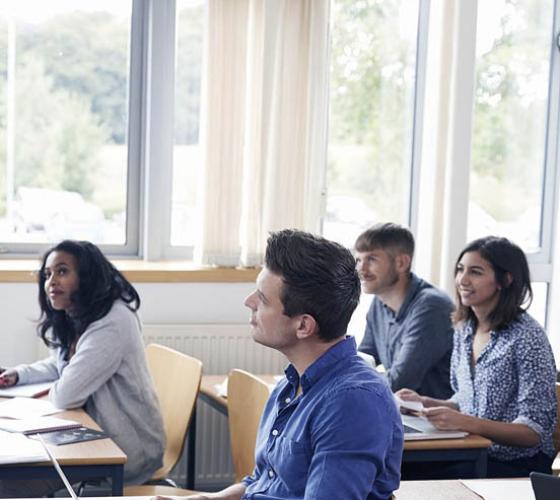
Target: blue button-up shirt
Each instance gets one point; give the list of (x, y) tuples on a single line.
[(513, 381), (340, 438)]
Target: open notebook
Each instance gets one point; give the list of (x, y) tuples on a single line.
[(16, 448), (417, 428), (26, 390)]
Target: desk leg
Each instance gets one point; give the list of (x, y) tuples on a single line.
[(481, 464), (117, 481), (191, 451)]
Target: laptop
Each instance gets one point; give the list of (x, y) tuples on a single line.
[(418, 428), (545, 486)]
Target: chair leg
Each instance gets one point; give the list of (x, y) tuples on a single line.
[(81, 489)]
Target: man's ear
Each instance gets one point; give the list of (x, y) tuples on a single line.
[(403, 262), (306, 326)]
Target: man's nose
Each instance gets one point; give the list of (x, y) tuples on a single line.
[(250, 301)]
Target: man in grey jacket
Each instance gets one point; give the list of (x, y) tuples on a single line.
[(409, 322)]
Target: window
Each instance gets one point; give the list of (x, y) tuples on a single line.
[(515, 141), (372, 114), (64, 83), (509, 158), (187, 155)]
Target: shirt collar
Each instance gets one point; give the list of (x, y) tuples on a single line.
[(323, 364), (413, 286), (469, 331)]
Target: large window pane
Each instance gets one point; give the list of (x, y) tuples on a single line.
[(187, 161), (372, 82), (510, 118), (63, 118)]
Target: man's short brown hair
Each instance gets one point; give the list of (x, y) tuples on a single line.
[(386, 236)]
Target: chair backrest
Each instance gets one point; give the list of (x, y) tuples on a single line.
[(556, 434), (247, 396), (176, 378)]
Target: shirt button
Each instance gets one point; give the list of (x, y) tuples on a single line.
[(287, 400), (275, 432), (270, 473)]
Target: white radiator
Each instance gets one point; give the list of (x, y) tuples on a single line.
[(220, 348)]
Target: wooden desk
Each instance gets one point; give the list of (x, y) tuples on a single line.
[(100, 458), (513, 489), (472, 448)]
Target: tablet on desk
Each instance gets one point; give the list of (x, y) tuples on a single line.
[(545, 486), (417, 428)]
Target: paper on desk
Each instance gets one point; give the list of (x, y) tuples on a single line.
[(489, 489), (409, 405), (36, 424), (26, 408), (26, 390), (16, 448)]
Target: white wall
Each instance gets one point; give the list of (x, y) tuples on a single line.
[(161, 303)]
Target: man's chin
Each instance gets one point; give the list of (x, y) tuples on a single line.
[(259, 340), (368, 289)]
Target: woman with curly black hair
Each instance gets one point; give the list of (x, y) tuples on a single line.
[(88, 317)]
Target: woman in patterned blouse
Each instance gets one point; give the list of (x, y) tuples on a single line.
[(502, 367)]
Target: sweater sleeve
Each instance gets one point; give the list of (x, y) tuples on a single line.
[(40, 371)]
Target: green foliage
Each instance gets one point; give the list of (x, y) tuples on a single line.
[(190, 36), (57, 136), (86, 54), (371, 105), (510, 114), (71, 100)]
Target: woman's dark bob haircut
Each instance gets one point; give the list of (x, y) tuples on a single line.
[(512, 275), (100, 285)]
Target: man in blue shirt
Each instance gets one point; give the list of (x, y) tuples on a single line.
[(408, 326), (330, 429)]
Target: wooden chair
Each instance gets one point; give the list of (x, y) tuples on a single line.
[(556, 434), (177, 381), (247, 396)]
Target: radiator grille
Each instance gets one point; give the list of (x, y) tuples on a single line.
[(220, 348)]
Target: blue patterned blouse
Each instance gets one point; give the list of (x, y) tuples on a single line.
[(513, 381)]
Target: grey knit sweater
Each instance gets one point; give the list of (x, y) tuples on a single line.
[(108, 377)]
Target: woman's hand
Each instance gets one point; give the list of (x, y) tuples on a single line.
[(447, 419), (408, 395), (8, 377)]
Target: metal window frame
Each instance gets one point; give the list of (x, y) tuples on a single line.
[(418, 113)]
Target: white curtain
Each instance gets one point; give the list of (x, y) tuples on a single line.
[(265, 132)]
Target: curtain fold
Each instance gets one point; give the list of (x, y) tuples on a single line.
[(265, 135)]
